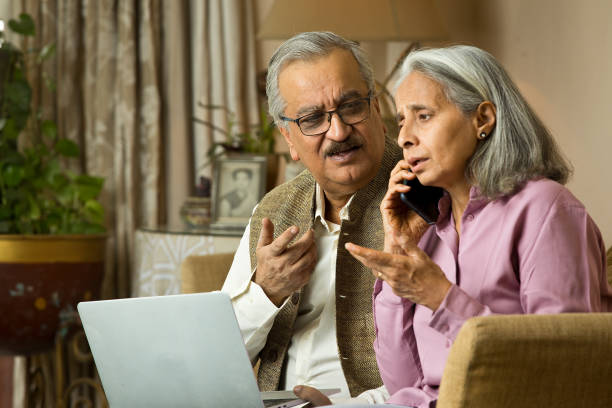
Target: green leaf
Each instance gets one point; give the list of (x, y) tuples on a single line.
[(59, 181), (12, 175), (88, 187), (5, 227), (11, 130), (34, 209), (2, 121), (67, 148), (18, 96), (5, 212), (49, 130), (94, 211), (23, 26)]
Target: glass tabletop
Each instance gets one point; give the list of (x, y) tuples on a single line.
[(200, 230)]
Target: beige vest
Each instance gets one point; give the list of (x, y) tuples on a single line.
[(292, 204)]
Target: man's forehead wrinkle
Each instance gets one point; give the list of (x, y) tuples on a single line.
[(343, 97)]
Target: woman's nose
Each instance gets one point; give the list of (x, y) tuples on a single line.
[(406, 137)]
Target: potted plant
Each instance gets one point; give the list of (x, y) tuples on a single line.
[(52, 241), (259, 141)]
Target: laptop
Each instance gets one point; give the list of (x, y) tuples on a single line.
[(174, 351)]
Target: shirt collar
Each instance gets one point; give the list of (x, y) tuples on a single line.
[(320, 207), (475, 203)]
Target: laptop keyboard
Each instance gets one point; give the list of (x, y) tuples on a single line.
[(271, 403)]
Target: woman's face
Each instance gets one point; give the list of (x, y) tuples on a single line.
[(437, 138)]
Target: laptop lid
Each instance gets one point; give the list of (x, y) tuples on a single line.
[(170, 351)]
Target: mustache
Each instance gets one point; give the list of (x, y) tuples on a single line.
[(337, 147)]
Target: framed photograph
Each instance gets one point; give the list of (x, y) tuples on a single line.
[(239, 182)]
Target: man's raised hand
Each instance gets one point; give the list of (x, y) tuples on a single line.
[(283, 268)]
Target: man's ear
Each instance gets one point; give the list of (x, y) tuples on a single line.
[(376, 103), (485, 118), (285, 132)]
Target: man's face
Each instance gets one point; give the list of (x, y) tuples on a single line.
[(345, 158), (242, 180)]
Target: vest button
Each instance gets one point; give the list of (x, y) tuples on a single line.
[(272, 355), (295, 298)]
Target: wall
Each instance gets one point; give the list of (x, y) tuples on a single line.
[(559, 52)]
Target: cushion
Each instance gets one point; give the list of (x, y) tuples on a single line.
[(204, 273)]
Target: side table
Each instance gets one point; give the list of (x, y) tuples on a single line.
[(159, 252)]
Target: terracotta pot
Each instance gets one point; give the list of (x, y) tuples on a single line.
[(42, 278)]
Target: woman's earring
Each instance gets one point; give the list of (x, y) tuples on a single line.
[(482, 136)]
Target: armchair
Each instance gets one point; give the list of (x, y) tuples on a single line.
[(204, 273), (530, 361)]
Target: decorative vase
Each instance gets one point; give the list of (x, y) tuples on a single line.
[(43, 277), (196, 212)]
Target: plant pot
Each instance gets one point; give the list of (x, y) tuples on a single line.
[(42, 278)]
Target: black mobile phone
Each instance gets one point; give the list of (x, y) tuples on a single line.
[(422, 199)]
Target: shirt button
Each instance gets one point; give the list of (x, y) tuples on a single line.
[(470, 217), (295, 298)]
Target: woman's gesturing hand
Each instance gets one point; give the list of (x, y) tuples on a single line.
[(411, 275), (403, 227)]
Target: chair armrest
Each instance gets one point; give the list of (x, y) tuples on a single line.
[(530, 361)]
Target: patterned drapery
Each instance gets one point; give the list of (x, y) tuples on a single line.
[(129, 76)]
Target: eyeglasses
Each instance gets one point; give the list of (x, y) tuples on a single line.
[(350, 113)]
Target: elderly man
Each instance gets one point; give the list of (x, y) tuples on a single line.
[(302, 302)]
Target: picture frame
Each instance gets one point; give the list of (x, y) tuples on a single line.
[(239, 182)]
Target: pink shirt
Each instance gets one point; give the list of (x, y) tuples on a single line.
[(537, 251)]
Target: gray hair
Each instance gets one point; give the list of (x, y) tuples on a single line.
[(520, 147), (304, 47)]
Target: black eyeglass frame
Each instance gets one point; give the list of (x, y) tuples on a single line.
[(330, 113)]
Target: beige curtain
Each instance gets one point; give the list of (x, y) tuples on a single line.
[(130, 75), (224, 70), (108, 99), (108, 73)]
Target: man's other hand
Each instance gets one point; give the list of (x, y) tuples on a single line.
[(314, 396), (282, 268)]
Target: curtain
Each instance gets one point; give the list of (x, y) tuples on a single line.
[(131, 75), (108, 99), (224, 72)]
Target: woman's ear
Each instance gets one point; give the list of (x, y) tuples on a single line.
[(485, 119)]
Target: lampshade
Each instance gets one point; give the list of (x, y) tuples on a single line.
[(358, 20)]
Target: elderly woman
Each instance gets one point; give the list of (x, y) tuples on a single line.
[(509, 238)]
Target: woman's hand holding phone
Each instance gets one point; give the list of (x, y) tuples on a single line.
[(403, 227)]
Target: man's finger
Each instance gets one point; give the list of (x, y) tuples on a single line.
[(279, 245), (266, 236), (302, 246)]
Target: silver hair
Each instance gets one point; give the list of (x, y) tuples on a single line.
[(304, 47), (520, 147)]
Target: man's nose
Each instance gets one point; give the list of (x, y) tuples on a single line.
[(338, 130)]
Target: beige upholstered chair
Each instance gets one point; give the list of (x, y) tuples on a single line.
[(512, 361), (204, 273)]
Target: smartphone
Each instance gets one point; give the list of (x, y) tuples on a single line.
[(422, 199)]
